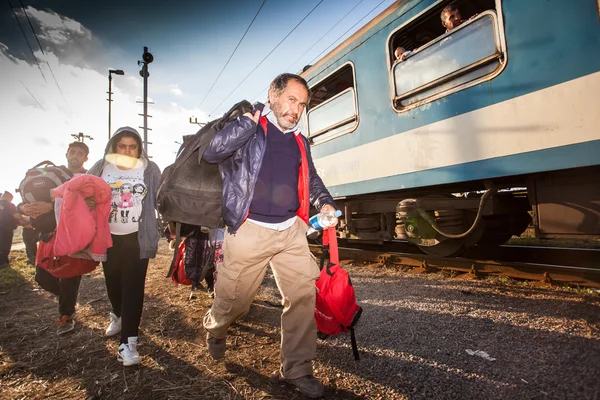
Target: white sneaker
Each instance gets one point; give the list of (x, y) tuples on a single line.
[(115, 325), (128, 354)]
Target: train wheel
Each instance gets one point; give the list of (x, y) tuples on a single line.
[(500, 228), (452, 222)]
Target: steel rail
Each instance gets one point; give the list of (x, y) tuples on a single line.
[(545, 273)]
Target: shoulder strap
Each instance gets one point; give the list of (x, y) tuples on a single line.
[(354, 345), (45, 163), (334, 256)]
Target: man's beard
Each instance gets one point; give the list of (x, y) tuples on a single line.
[(283, 123)]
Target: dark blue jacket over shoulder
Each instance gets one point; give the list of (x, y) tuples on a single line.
[(239, 149)]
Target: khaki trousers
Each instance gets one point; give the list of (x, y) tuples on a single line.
[(246, 255)]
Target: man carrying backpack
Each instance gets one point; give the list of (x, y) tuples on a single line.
[(66, 289), (269, 181)]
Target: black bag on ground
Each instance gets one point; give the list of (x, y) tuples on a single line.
[(190, 189)]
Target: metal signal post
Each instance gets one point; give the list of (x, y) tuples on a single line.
[(147, 58), (110, 72)]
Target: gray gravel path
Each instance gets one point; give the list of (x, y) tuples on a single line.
[(416, 329)]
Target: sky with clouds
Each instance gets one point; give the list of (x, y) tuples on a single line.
[(61, 89)]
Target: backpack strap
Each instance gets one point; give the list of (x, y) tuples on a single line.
[(354, 346), (334, 256), (330, 250), (45, 163)]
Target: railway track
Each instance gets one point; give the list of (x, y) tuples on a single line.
[(547, 266)]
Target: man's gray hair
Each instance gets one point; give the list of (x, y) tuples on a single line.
[(280, 83)]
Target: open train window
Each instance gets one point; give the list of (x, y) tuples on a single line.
[(333, 109), (443, 62)]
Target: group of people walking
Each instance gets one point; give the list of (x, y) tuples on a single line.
[(269, 184)]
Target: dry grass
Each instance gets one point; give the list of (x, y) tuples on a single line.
[(412, 337)]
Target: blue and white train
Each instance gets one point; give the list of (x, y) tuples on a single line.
[(482, 130)]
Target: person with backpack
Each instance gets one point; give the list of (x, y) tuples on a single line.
[(134, 232), (269, 182), (43, 220), (9, 218)]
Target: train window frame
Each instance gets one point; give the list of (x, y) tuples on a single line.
[(330, 132), (500, 55)]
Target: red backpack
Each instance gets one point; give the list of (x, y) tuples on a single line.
[(178, 275), (61, 266), (336, 310)]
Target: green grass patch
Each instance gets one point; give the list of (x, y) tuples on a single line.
[(500, 279), (18, 273), (18, 236)]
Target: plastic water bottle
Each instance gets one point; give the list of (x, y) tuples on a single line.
[(322, 220)]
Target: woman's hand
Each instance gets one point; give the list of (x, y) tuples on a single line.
[(91, 202)]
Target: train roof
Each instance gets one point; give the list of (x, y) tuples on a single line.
[(310, 72)]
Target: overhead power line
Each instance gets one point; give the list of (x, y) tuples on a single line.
[(313, 45), (263, 60), (343, 34), (27, 40), (32, 96), (42, 50), (234, 50)]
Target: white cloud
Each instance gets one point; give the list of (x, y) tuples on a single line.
[(175, 90), (32, 132), (57, 28)]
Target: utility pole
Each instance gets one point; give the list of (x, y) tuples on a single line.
[(195, 121), (80, 137), (110, 72), (147, 58)]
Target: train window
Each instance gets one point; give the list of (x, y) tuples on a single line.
[(450, 62), (332, 110)]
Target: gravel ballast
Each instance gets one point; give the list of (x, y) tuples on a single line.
[(420, 337)]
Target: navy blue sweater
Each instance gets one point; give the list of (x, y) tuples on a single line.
[(276, 191)]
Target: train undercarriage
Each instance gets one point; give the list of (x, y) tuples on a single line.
[(448, 221)]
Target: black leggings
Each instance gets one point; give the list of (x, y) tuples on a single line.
[(125, 277), (65, 288)]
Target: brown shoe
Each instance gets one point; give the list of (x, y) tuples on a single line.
[(308, 386), (216, 347)]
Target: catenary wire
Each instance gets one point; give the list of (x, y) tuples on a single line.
[(231, 56), (313, 45), (32, 96), (27, 40), (42, 50), (343, 34), (263, 60)]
